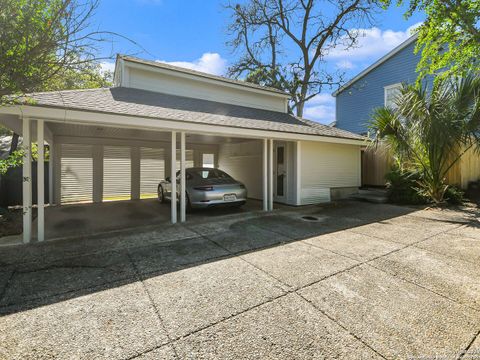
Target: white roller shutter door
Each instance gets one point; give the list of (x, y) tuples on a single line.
[(152, 171), (76, 173), (116, 173)]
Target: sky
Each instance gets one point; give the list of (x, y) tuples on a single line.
[(193, 34)]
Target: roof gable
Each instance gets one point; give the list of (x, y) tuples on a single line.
[(200, 74), (173, 80), (380, 61)]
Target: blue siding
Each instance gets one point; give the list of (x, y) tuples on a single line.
[(355, 104)]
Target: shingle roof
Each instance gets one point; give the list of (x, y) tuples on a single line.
[(143, 103), (201, 74)]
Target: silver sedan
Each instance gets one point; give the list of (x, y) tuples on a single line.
[(206, 187)]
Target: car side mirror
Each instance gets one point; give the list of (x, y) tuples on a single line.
[(167, 179)]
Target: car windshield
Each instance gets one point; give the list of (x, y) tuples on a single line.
[(211, 174)]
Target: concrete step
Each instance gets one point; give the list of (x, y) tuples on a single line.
[(377, 196)]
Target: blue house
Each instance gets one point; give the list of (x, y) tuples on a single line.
[(375, 87)]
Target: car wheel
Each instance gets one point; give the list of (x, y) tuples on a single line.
[(161, 196)]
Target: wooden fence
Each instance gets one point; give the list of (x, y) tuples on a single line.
[(376, 162)]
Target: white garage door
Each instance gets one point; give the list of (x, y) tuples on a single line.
[(76, 173), (152, 171), (116, 173)]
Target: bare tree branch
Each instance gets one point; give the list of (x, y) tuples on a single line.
[(262, 30)]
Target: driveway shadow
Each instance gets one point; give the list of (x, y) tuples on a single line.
[(42, 274)]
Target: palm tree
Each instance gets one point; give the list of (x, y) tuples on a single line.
[(429, 129)]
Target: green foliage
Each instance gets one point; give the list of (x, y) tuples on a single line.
[(449, 39), (47, 45), (429, 130), (454, 195), (402, 187), (13, 160), (28, 42), (90, 76), (16, 158), (5, 131)]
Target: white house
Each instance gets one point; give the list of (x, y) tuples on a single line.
[(118, 143)]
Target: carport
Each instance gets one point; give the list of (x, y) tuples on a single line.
[(95, 163), (116, 144)]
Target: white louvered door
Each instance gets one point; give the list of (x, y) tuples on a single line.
[(152, 171), (76, 173), (116, 173)]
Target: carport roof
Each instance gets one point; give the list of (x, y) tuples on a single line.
[(143, 103)]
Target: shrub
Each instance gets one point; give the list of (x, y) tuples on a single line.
[(402, 187), (431, 128), (454, 195)]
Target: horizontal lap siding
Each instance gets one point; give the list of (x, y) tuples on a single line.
[(175, 85), (325, 166), (243, 161), (355, 104), (189, 159)]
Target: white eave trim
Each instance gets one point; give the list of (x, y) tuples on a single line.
[(137, 122), (389, 55)]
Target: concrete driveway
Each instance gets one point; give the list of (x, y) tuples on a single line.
[(360, 281)]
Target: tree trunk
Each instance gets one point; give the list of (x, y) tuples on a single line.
[(14, 143), (300, 107)]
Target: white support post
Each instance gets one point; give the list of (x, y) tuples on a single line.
[(51, 158), (298, 173), (265, 175), (57, 174), (27, 182), (270, 175), (40, 181), (173, 179), (182, 179)]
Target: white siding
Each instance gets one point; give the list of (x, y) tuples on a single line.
[(152, 171), (189, 157), (325, 166), (76, 173), (243, 161), (116, 173), (201, 89)]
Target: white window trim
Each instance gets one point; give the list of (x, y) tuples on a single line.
[(388, 87)]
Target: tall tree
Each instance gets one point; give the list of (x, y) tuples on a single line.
[(90, 76), (49, 45), (449, 39), (283, 43), (43, 40)]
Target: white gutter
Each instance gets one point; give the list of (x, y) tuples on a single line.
[(136, 122)]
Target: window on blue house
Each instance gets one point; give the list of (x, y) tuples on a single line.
[(391, 94)]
